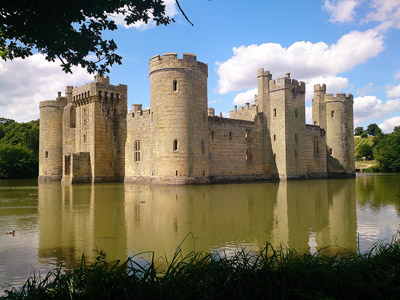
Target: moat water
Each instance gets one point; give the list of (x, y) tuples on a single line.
[(55, 225)]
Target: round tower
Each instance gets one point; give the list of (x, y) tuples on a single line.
[(339, 132), (50, 140), (178, 99)]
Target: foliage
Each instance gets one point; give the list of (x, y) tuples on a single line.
[(364, 135), (71, 31), (270, 274), (396, 128), (373, 129), (19, 149), (365, 150), (17, 161), (387, 151), (358, 130)]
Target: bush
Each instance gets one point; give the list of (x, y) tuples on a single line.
[(16, 161), (387, 152)]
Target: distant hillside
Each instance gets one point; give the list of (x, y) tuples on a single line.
[(358, 141)]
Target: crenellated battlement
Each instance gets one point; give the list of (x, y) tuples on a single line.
[(340, 97), (262, 73), (320, 88), (171, 61), (287, 83)]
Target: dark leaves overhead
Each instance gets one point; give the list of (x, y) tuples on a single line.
[(70, 30)]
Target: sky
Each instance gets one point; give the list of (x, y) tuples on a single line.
[(353, 46)]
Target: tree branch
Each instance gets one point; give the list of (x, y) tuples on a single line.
[(183, 13)]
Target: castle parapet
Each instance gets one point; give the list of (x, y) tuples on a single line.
[(171, 60), (287, 83), (340, 97), (101, 79)]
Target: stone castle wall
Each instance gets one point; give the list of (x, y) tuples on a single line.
[(88, 135)]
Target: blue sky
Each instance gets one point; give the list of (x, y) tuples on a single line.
[(351, 45)]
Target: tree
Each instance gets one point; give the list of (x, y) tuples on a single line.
[(71, 30), (396, 128), (17, 162), (365, 150), (358, 130), (373, 129), (387, 152), (364, 135)]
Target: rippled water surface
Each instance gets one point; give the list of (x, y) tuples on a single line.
[(55, 224)]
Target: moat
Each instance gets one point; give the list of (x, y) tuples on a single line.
[(55, 224)]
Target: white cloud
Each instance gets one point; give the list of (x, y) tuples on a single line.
[(170, 11), (388, 125), (309, 115), (387, 12), (305, 60), (341, 11), (393, 92), (245, 97), (397, 75), (215, 101), (365, 89), (370, 107), (26, 82)]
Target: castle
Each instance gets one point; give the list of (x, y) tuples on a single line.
[(89, 136)]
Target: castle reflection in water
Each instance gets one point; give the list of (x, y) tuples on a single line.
[(127, 219)]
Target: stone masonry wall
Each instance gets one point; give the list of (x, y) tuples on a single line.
[(315, 151)]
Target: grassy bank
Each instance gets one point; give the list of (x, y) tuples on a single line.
[(282, 274)]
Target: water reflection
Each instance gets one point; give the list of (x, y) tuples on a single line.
[(128, 219)]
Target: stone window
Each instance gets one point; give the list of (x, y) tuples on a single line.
[(84, 138), (330, 151), (212, 135), (204, 173), (176, 173), (137, 150), (46, 154), (332, 114), (315, 122), (274, 112), (203, 149), (108, 111), (295, 112), (112, 96), (105, 95), (230, 135), (249, 154), (274, 156), (175, 145), (295, 137), (247, 133), (274, 137), (151, 117), (175, 86), (295, 153)]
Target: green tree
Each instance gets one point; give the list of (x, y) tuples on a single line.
[(17, 161), (373, 129), (365, 150), (364, 135), (387, 152), (358, 130), (71, 30), (396, 128)]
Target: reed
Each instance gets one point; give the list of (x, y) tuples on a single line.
[(270, 274)]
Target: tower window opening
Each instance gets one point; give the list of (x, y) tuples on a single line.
[(295, 112), (230, 135), (202, 146), (46, 154), (212, 135), (137, 150), (88, 94), (330, 151), (176, 173), (247, 133), (249, 154), (332, 114), (175, 145), (175, 86), (295, 137), (315, 122), (204, 173), (274, 112), (99, 93), (274, 137), (108, 111), (295, 153), (274, 156), (84, 138), (151, 117), (112, 96)]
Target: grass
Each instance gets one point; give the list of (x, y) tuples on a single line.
[(358, 141), (270, 274)]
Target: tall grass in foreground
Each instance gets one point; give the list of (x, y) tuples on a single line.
[(271, 274)]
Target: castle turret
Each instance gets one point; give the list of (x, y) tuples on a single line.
[(51, 140), (263, 79), (287, 126), (335, 115), (178, 98)]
